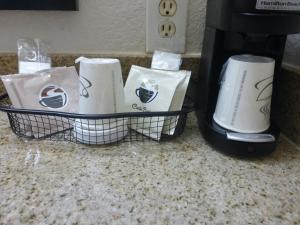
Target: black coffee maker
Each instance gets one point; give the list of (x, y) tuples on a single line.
[(234, 27)]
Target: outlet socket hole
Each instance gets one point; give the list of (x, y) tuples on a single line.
[(167, 29), (167, 8)]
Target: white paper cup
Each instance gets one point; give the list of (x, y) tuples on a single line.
[(93, 134), (101, 92), (244, 102), (102, 88)]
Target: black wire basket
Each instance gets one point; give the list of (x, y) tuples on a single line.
[(95, 129)]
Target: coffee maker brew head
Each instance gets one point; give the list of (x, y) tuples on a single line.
[(254, 16), (235, 27)]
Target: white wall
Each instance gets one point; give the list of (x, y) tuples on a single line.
[(102, 26), (99, 26)]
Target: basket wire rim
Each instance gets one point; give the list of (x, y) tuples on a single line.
[(10, 109)]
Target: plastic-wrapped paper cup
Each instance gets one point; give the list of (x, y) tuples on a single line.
[(101, 92), (244, 103)]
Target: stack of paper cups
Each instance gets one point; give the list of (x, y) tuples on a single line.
[(101, 92)]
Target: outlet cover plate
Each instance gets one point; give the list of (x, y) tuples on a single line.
[(155, 41)]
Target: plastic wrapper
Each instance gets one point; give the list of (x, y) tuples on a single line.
[(33, 56), (166, 61)]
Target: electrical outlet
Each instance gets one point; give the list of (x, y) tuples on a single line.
[(166, 25), (167, 7), (167, 29)]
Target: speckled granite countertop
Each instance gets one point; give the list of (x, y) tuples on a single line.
[(180, 182)]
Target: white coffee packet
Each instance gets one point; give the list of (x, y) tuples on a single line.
[(169, 61), (149, 90), (177, 103), (32, 67), (56, 89)]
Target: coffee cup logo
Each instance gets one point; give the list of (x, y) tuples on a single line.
[(148, 91), (85, 86), (53, 97), (265, 88)]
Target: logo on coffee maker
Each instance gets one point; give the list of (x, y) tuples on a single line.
[(148, 91), (53, 97), (282, 5), (85, 85)]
